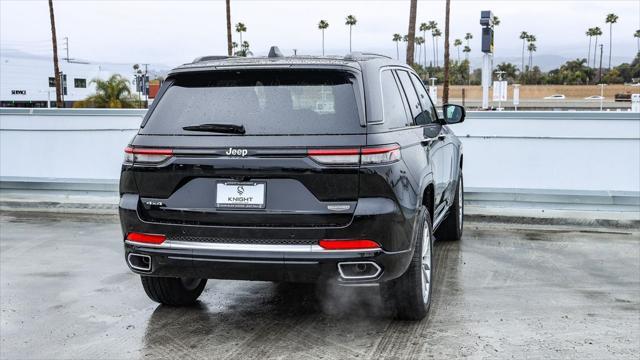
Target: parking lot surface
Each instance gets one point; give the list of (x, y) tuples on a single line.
[(504, 291)]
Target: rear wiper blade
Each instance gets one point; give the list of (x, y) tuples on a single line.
[(219, 128)]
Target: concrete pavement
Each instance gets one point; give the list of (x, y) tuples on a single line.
[(504, 291)]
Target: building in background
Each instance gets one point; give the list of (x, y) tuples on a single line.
[(27, 80)]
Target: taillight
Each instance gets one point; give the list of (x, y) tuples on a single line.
[(149, 156), (353, 156), (350, 244), (146, 238), (380, 155), (335, 156)]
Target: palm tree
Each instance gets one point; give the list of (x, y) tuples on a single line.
[(351, 21), (531, 48), (467, 37), (596, 32), (432, 25), (397, 38), (509, 69), (589, 33), (111, 93), (466, 52), (322, 25), (424, 27), (234, 45), (56, 67), (413, 6), (240, 28), (436, 33), (244, 48), (457, 43), (611, 19), (229, 41), (445, 89), (420, 43), (637, 36), (523, 36)]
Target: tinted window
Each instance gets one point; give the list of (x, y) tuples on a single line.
[(414, 104), (394, 110), (79, 83), (425, 100), (263, 101)]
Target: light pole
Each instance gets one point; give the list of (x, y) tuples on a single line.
[(487, 57), (601, 94)]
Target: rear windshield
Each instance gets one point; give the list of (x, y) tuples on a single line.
[(272, 102)]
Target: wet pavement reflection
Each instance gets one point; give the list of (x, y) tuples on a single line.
[(503, 291)]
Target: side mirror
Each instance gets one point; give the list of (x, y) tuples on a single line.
[(453, 114)]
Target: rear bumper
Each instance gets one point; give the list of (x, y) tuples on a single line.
[(261, 265), (274, 254)]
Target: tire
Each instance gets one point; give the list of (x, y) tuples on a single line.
[(410, 294), (452, 226), (173, 291)]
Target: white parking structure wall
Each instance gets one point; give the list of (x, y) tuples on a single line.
[(574, 153), (552, 150), (65, 145)]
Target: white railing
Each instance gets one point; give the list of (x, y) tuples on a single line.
[(561, 153)]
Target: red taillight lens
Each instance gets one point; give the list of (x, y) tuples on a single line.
[(366, 156), (146, 238), (142, 155), (333, 244)]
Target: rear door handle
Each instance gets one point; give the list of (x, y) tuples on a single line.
[(426, 141), (441, 137)]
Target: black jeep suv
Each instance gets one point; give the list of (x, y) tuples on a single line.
[(296, 169)]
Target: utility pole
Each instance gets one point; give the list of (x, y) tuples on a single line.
[(56, 67), (66, 47), (145, 83), (600, 71)]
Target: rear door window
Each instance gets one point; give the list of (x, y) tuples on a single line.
[(395, 115), (414, 104), (265, 102), (427, 106)]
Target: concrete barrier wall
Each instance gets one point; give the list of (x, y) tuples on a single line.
[(564, 151)]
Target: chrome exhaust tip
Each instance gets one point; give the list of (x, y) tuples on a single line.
[(359, 270), (139, 262)]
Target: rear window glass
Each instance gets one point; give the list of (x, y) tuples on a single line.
[(272, 102)]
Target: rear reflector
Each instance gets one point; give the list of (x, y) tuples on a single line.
[(146, 238), (332, 244), (142, 155), (354, 156)]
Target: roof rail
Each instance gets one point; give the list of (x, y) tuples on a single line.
[(210, 57), (356, 55)]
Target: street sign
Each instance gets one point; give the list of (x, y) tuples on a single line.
[(500, 90), (433, 93), (635, 103), (516, 95)]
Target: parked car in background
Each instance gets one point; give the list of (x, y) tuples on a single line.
[(297, 169), (555, 97), (595, 97)]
